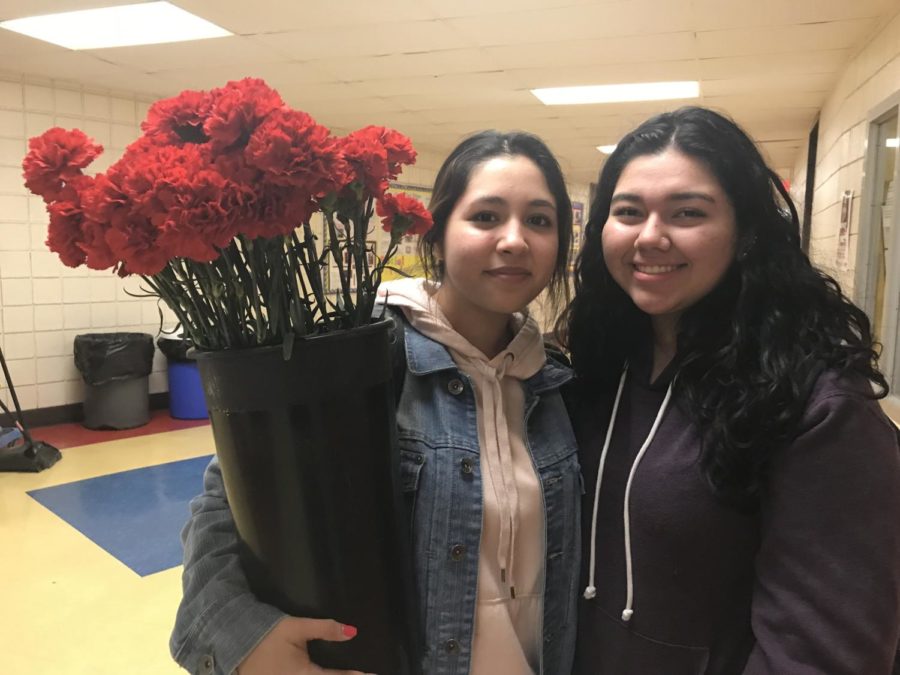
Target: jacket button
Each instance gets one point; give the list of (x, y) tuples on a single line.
[(457, 551), (207, 665), (451, 646), (455, 387), (467, 466)]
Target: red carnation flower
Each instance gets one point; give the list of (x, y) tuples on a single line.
[(191, 205), (398, 147), (55, 158), (292, 150), (137, 247), (376, 155), (236, 110), (178, 120), (275, 211), (367, 158), (64, 232), (402, 215)]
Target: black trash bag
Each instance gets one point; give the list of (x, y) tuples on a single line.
[(175, 348), (106, 357)]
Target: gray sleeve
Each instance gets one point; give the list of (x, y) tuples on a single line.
[(219, 620)]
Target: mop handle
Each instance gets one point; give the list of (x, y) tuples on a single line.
[(12, 391)]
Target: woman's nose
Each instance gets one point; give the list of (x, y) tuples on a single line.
[(653, 235), (512, 238)]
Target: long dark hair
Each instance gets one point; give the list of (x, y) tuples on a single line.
[(453, 179), (749, 351)]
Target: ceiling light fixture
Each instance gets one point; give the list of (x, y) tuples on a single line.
[(618, 93), (606, 149), (121, 26)]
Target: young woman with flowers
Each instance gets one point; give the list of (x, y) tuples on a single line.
[(743, 482), (489, 467)]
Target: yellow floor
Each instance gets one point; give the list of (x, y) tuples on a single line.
[(68, 607)]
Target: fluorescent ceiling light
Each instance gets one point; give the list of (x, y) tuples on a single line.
[(606, 149), (892, 142), (618, 93), (126, 25)]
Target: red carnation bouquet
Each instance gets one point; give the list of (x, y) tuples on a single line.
[(212, 206)]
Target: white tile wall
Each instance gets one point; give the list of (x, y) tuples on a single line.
[(45, 304)]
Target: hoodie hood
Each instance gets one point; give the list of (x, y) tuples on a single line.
[(523, 357)]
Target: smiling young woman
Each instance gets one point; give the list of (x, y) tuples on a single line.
[(743, 484)]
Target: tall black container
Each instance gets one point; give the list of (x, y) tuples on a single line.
[(308, 455)]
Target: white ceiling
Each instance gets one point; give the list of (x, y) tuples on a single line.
[(439, 69)]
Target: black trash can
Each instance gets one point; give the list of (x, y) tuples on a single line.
[(116, 369)]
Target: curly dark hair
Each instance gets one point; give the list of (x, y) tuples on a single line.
[(749, 352), (453, 179)]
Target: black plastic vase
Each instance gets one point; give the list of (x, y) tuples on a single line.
[(308, 453)]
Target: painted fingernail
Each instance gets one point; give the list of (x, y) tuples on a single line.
[(348, 631)]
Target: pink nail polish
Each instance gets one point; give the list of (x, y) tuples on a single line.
[(349, 631)]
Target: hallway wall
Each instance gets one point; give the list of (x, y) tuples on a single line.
[(872, 76)]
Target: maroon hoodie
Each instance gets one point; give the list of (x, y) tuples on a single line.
[(810, 584)]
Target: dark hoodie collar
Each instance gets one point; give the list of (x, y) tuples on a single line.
[(641, 367)]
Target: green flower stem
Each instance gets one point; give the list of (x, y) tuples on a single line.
[(191, 315), (307, 252), (200, 302), (336, 255), (228, 269), (300, 314), (278, 306), (248, 249), (217, 289), (365, 290), (171, 300)]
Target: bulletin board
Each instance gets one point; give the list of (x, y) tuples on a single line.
[(407, 258)]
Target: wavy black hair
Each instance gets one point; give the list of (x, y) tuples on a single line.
[(453, 179), (749, 351)]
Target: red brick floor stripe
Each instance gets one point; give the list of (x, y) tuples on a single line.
[(64, 436)]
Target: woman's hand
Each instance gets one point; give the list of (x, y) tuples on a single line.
[(283, 651)]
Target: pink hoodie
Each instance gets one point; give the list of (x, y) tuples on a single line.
[(509, 604)]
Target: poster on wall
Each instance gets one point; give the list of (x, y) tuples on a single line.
[(843, 241), (577, 230), (407, 258)]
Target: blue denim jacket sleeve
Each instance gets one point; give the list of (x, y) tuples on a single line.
[(219, 620)]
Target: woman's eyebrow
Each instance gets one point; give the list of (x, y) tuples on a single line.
[(685, 196), (492, 199)]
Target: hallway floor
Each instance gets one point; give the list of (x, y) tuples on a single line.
[(90, 573)]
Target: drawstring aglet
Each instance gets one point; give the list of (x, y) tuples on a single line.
[(590, 592), (627, 614), (512, 592)]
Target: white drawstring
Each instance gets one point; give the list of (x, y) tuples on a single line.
[(591, 590), (628, 612)]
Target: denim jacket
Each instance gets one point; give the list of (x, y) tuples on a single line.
[(219, 621)]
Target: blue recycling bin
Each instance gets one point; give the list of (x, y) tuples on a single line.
[(186, 400)]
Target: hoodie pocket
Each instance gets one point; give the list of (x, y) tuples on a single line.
[(607, 645)]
